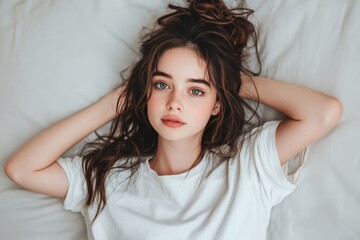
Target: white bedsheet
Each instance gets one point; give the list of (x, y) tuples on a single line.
[(56, 57)]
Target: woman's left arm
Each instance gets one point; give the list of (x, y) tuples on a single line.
[(311, 114)]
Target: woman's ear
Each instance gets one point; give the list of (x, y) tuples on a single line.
[(216, 109)]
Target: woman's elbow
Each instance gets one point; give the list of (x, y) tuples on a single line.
[(332, 112), (12, 172)]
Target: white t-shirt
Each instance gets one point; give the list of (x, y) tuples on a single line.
[(232, 201)]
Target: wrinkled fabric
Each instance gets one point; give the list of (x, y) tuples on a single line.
[(57, 57)]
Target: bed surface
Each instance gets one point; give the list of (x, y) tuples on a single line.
[(57, 57)]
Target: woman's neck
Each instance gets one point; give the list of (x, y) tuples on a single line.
[(175, 157)]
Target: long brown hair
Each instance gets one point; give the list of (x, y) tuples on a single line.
[(217, 34)]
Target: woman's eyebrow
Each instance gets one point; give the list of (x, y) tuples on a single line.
[(163, 74), (201, 81), (160, 73)]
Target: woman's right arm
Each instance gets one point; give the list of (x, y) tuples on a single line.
[(34, 166)]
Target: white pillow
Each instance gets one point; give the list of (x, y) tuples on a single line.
[(57, 57)]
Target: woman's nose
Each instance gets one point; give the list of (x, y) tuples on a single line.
[(175, 103)]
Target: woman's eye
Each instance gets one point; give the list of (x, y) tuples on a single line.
[(197, 92), (161, 85)]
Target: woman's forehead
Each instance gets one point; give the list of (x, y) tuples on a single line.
[(182, 62)]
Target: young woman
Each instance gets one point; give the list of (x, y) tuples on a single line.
[(183, 159)]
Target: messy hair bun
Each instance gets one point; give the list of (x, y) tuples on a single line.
[(230, 24)]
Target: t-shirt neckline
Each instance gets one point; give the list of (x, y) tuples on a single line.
[(187, 176)]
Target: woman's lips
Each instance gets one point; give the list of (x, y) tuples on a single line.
[(172, 121)]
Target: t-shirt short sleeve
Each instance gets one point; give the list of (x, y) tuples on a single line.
[(276, 181), (76, 194)]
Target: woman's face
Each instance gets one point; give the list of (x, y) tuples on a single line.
[(182, 98)]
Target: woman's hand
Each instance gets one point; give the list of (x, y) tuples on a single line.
[(111, 98)]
